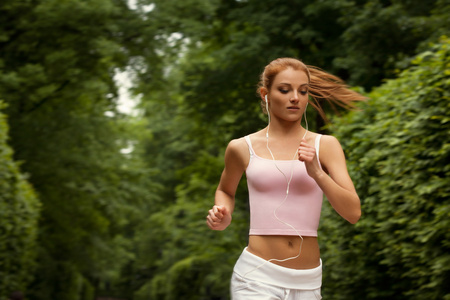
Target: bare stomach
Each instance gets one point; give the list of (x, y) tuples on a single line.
[(281, 247)]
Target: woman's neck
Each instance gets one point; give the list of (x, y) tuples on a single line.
[(285, 130)]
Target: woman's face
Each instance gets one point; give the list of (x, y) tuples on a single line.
[(288, 95)]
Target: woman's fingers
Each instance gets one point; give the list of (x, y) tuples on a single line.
[(218, 211), (306, 152), (215, 216)]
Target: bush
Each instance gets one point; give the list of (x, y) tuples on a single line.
[(398, 150)]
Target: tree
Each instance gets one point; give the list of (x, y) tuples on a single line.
[(383, 36), (19, 213), (57, 64)]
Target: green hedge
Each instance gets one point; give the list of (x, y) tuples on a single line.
[(19, 212), (398, 150)]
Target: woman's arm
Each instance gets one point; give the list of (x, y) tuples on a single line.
[(338, 186), (236, 160)]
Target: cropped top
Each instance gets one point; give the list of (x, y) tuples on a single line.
[(267, 191)]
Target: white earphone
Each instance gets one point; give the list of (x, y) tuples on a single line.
[(267, 106)]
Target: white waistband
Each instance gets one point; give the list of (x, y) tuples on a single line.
[(256, 268)]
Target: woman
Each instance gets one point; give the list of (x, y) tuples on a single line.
[(288, 170)]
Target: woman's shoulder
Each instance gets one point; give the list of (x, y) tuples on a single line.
[(330, 150), (237, 147), (241, 146), (237, 153), (329, 141), (237, 144), (324, 140)]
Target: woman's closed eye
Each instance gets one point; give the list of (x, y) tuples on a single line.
[(285, 91)]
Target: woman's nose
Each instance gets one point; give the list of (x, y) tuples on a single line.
[(294, 98)]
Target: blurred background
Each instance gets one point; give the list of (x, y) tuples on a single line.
[(114, 119)]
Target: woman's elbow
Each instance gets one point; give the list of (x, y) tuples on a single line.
[(354, 217)]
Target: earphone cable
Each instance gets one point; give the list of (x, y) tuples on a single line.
[(287, 193)]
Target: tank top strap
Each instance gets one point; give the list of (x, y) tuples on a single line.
[(249, 143), (317, 146)]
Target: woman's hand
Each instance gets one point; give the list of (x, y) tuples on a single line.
[(218, 218), (307, 154)]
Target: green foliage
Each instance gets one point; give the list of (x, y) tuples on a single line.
[(19, 213), (57, 65), (361, 41), (398, 148), (381, 36), (127, 224)]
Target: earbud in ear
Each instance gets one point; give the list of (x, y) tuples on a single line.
[(266, 98)]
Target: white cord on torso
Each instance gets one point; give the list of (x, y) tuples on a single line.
[(288, 181)]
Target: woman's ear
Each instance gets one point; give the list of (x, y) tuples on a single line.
[(263, 92)]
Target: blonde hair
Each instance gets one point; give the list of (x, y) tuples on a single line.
[(322, 85)]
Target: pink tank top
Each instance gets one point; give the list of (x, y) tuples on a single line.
[(267, 190)]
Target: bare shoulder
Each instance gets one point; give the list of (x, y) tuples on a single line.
[(331, 153), (329, 143), (237, 153), (237, 145)]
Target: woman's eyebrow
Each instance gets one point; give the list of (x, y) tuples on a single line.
[(286, 83)]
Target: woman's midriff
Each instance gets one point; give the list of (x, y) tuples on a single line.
[(281, 247)]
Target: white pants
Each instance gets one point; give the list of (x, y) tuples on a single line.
[(255, 278)]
